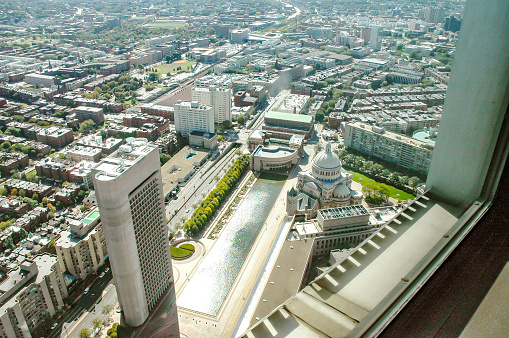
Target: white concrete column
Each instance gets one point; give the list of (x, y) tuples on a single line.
[(56, 290), (47, 297), (475, 105), (21, 320), (6, 322)]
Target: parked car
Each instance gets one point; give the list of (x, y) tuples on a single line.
[(86, 290)]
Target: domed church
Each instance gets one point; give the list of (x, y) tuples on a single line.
[(325, 185)]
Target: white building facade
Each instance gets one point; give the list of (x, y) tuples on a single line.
[(219, 98), (375, 141), (192, 116), (30, 295)]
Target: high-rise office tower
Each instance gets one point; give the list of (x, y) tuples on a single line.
[(129, 192), (366, 34), (219, 98), (374, 39), (193, 116)]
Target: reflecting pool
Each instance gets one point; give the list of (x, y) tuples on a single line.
[(211, 283)]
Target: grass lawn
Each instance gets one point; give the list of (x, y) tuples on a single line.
[(180, 252), (394, 191), (167, 24), (172, 67), (187, 246)]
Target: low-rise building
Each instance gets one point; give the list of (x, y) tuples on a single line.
[(67, 194), (11, 161), (41, 80), (12, 206), (54, 168), (158, 110), (55, 137), (83, 153), (82, 174), (285, 125), (335, 228), (107, 146), (273, 158), (203, 140), (84, 113), (30, 188)]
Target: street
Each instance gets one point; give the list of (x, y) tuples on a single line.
[(196, 189), (84, 303)]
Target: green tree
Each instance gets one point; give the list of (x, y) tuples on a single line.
[(153, 77), (241, 119), (8, 243), (87, 127), (414, 181), (227, 124), (13, 131), (384, 191), (107, 309), (369, 188), (395, 177), (84, 333), (319, 115), (377, 169), (97, 323), (163, 158)]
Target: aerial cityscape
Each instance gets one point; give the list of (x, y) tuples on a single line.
[(211, 168)]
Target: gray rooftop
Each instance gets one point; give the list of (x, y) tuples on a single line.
[(341, 212)]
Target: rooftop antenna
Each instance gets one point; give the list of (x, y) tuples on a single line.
[(130, 140)]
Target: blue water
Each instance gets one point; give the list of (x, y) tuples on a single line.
[(211, 283)]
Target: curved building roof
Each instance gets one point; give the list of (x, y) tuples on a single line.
[(326, 159)]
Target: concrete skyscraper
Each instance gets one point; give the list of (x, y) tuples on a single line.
[(219, 98), (129, 192), (374, 39), (193, 116)]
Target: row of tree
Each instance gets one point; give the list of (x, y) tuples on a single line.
[(378, 171), (209, 206)]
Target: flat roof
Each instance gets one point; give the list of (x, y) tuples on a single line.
[(289, 117), (179, 166), (393, 136), (286, 277), (341, 212), (124, 158), (273, 151)]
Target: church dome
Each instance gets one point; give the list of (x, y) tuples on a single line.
[(326, 159), (341, 191)]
